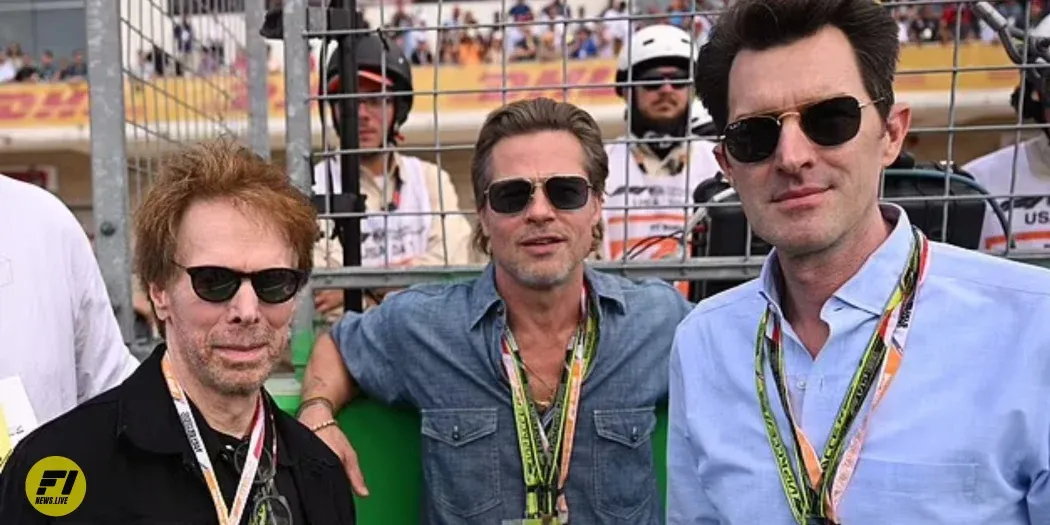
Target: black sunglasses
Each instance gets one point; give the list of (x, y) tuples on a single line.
[(216, 284), (656, 79), (269, 507), (827, 123), (565, 192)]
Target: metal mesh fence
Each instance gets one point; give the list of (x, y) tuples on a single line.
[(413, 224), (954, 73), (164, 73)]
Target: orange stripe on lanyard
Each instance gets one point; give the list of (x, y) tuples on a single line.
[(894, 342), (901, 304), (231, 515)]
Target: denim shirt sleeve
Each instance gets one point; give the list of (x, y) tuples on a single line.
[(368, 343)]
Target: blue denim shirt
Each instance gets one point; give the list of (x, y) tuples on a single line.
[(436, 347)]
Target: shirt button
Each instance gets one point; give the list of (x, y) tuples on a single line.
[(801, 384), (455, 433), (634, 434)]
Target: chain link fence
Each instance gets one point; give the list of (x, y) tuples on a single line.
[(150, 92), (164, 73), (956, 101)]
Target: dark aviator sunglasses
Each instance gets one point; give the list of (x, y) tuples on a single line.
[(565, 192), (217, 284), (655, 80), (831, 122)]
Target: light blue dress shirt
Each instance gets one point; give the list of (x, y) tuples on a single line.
[(961, 437)]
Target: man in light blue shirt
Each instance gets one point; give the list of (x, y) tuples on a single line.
[(868, 376)]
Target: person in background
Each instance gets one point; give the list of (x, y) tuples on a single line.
[(223, 246), (58, 332), (539, 345), (412, 190), (659, 162), (1028, 216), (891, 379)]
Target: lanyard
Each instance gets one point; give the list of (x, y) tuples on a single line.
[(817, 497), (541, 449), (232, 515)]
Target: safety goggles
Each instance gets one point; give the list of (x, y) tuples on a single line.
[(216, 284), (654, 80), (827, 123), (564, 192)]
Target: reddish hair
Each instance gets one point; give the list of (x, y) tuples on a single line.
[(217, 170)]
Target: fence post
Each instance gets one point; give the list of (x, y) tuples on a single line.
[(258, 78), (108, 159), (297, 128)]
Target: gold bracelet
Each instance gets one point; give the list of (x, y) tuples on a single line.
[(322, 425)]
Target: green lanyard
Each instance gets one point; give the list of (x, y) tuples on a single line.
[(541, 450), (809, 500)]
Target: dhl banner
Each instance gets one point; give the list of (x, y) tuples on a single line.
[(469, 88)]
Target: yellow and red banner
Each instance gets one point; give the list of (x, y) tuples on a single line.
[(470, 88)]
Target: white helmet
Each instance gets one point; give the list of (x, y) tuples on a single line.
[(699, 118), (655, 43), (1041, 30)]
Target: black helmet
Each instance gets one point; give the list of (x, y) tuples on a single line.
[(374, 53)]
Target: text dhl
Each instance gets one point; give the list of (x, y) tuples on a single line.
[(71, 104), (547, 81)]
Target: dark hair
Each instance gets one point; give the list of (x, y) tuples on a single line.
[(763, 24), (528, 116)]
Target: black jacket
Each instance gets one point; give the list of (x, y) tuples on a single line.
[(140, 469)]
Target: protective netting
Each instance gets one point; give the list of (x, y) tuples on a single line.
[(465, 59), (954, 72), (164, 74)]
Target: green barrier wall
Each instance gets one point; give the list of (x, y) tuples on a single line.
[(388, 447)]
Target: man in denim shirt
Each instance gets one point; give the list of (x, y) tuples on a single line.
[(448, 349)]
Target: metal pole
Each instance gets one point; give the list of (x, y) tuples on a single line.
[(258, 78), (349, 162), (297, 126), (108, 160)]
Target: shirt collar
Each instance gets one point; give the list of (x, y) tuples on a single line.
[(149, 421), (485, 297), (870, 287)]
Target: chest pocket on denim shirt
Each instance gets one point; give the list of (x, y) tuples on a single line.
[(461, 459), (623, 460)]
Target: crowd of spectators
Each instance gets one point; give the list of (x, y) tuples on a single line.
[(558, 31), (18, 66), (943, 23)]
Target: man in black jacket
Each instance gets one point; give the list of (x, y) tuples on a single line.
[(223, 246)]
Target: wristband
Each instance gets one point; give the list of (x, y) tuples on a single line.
[(314, 401), (322, 425)]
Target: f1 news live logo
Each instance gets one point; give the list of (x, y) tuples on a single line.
[(55, 486)]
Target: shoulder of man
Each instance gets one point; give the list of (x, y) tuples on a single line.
[(87, 435), (41, 207), (648, 296), (1028, 282), (997, 164), (431, 171)]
